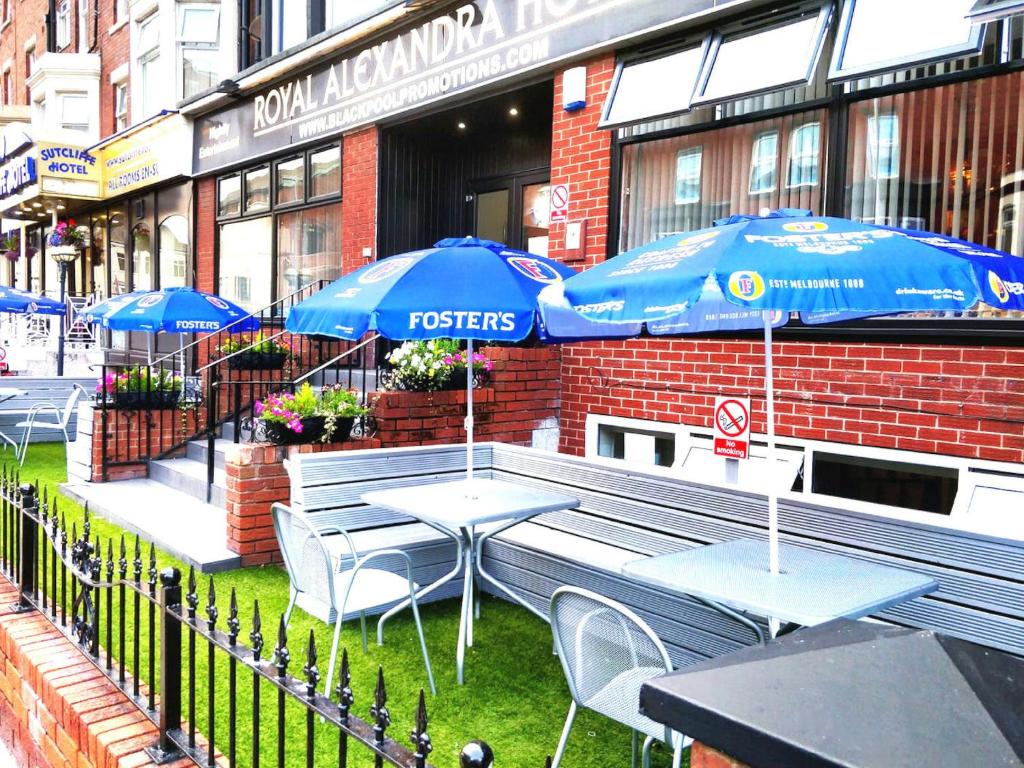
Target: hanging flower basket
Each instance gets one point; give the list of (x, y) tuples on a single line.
[(258, 361), (145, 401), (62, 250), (314, 428), (12, 256)]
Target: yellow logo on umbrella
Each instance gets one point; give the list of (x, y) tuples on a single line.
[(805, 226), (998, 287), (746, 285)]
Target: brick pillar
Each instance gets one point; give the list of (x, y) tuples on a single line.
[(581, 157), (206, 233), (702, 756), (359, 192)]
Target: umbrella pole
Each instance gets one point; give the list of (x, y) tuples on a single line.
[(469, 409), (769, 396), (149, 350)]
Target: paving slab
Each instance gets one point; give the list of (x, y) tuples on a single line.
[(181, 525)]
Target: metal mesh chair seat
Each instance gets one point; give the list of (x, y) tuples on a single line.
[(607, 653), (372, 588)]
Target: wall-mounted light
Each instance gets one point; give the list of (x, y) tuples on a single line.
[(513, 111), (461, 126)]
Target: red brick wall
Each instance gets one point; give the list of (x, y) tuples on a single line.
[(133, 437), (113, 50), (359, 193), (702, 756), (26, 19), (965, 401), (206, 233)]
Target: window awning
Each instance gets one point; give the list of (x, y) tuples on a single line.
[(994, 10), (748, 62), (647, 90), (882, 35)]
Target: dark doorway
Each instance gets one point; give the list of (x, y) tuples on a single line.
[(480, 169)]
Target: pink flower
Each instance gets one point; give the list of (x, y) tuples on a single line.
[(257, 409)]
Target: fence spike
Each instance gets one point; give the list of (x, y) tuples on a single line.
[(110, 559), (281, 654), (419, 736), (547, 763), (344, 689), (137, 562), (256, 636), (310, 670), (192, 595), (44, 507), (211, 607), (152, 567), (234, 625), (379, 710), (122, 561), (63, 536), (476, 754), (95, 560), (53, 522), (86, 525)]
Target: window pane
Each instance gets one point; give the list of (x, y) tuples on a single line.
[(199, 70), (895, 484), (198, 24), (688, 176), (944, 160), (651, 172), (142, 258), (149, 33), (641, 93), (785, 55), (257, 189), (245, 267), (763, 162), (991, 10), (291, 180), (880, 34), (308, 247), (342, 13), (173, 251), (804, 147), (151, 86), (74, 111), (118, 254), (229, 196), (325, 172), (293, 24)]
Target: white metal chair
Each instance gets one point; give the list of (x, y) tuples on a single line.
[(60, 423), (607, 653), (331, 591)]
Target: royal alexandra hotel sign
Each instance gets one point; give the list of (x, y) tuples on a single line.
[(467, 47)]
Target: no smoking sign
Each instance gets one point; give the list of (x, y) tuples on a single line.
[(560, 202), (732, 427)]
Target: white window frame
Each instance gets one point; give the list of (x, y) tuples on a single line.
[(970, 473), (683, 154), (796, 153), (874, 143), (121, 118), (995, 10), (757, 162), (83, 26), (146, 57), (63, 24), (62, 97), (188, 44), (839, 71), (120, 12)]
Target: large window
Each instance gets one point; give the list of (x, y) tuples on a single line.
[(639, 92), (74, 111), (63, 24), (118, 238), (198, 50), (174, 251), (246, 263), (153, 90), (308, 247), (142, 258), (120, 106), (685, 183)]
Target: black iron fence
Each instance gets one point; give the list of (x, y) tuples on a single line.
[(146, 632), (154, 410)]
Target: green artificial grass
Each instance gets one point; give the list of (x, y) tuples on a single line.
[(515, 697)]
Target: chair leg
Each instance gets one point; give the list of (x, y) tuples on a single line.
[(362, 626), (25, 438), (633, 749), (334, 653), (292, 596), (565, 735), (645, 757), (677, 754), (423, 641)]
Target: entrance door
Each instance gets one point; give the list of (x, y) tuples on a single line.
[(513, 210)]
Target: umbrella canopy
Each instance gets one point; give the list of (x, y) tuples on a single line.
[(98, 312), (178, 310), (827, 269), (462, 288), (19, 302)]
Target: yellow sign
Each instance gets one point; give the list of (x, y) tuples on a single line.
[(156, 152), (62, 161)]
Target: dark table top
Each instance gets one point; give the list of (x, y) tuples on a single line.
[(850, 693)]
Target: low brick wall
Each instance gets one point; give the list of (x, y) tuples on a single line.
[(519, 405), (56, 709), (702, 756)]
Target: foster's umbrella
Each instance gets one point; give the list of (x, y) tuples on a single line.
[(462, 288), (20, 302), (790, 262), (98, 312)]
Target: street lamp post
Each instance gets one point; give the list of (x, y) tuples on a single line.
[(63, 255)]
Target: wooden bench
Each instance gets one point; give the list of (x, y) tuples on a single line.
[(626, 514)]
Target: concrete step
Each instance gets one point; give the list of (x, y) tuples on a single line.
[(181, 525), (196, 451), (189, 477)]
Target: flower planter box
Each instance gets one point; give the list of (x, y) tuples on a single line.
[(141, 400), (313, 430), (258, 361)]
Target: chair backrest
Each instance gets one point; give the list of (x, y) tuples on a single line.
[(307, 559), (69, 405), (607, 653)]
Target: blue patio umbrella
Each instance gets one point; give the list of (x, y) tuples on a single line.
[(98, 312), (462, 288), (828, 269), (18, 302)]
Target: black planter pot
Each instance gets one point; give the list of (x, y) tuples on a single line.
[(313, 430), (258, 361), (144, 401)]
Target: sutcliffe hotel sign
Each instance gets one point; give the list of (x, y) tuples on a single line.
[(466, 47)]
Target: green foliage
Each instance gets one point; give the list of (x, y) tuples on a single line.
[(256, 343)]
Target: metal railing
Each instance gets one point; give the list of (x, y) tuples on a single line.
[(223, 386), (113, 607)]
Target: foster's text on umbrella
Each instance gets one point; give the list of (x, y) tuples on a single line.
[(463, 320)]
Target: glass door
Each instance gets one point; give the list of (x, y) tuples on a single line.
[(514, 210)]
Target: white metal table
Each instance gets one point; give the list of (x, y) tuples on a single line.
[(811, 588), (455, 509), (9, 393)]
